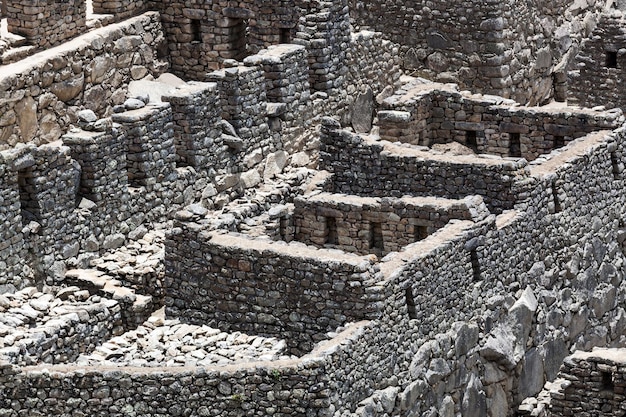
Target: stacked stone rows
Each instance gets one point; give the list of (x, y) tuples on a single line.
[(256, 389), (259, 287), (96, 77), (244, 104), (429, 116), (51, 185), (54, 328), (48, 23), (490, 47), (406, 120), (399, 219), (286, 72), (273, 23), (195, 113), (373, 168), (12, 255), (103, 178), (372, 62), (592, 82), (325, 32), (120, 9), (149, 134), (594, 384)]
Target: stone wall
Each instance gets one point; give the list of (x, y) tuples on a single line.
[(366, 225), (598, 69), (149, 138), (47, 23), (300, 386), (120, 9), (367, 167), (243, 100), (195, 113), (589, 382), (423, 116), (508, 49), (202, 36), (41, 96), (570, 301), (55, 327), (286, 72), (48, 188), (238, 284), (325, 33), (13, 252)]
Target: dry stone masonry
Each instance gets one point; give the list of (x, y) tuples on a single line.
[(321, 208)]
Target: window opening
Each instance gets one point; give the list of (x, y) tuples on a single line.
[(615, 166), (555, 197), (559, 142), (611, 59), (475, 264), (607, 381), (331, 231), (410, 303), (28, 203), (376, 236), (515, 146), (196, 30), (421, 232), (470, 140), (285, 35)]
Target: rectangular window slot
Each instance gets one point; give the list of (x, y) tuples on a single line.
[(611, 59), (331, 231), (470, 140), (285, 35), (376, 236), (559, 142), (607, 381), (421, 232), (196, 30), (28, 203), (282, 228), (410, 303), (555, 198), (475, 264), (515, 145), (615, 166)]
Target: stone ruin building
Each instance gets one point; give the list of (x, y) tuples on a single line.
[(312, 208)]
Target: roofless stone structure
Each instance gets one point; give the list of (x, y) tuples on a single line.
[(312, 208)]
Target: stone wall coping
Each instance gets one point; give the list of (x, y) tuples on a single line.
[(558, 159), (138, 115), (79, 136), (424, 156), (189, 89), (298, 250), (87, 40), (615, 355), (350, 199), (395, 262)]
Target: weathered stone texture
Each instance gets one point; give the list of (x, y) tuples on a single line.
[(41, 98), (426, 115), (47, 23), (366, 225), (284, 292), (366, 167), (508, 49), (598, 69)]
